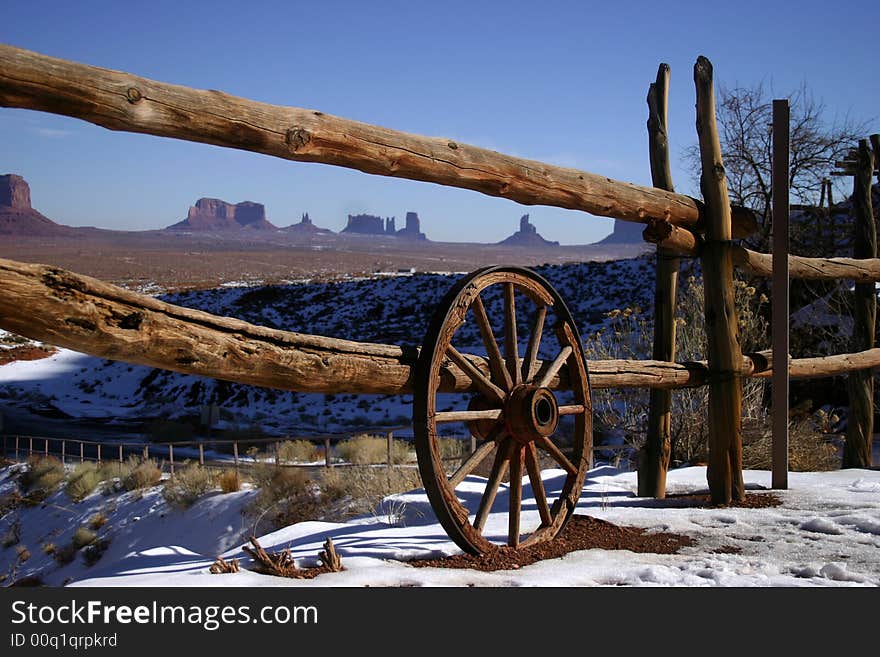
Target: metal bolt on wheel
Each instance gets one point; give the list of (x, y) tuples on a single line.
[(514, 416)]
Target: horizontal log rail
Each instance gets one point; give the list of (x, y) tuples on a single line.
[(87, 315), (673, 240), (122, 101)]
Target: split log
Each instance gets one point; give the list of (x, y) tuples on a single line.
[(860, 424), (654, 457), (86, 315), (674, 240), (122, 101), (724, 472)]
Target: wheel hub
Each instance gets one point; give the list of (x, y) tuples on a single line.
[(531, 413)]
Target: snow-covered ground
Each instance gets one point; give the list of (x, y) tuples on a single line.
[(825, 533)]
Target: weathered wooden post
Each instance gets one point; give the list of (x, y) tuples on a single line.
[(16, 448), (389, 446), (780, 289), (201, 454), (654, 461), (120, 452), (724, 471), (327, 451), (82, 453), (171, 458), (63, 449), (99, 452), (235, 454), (46, 447), (860, 426)]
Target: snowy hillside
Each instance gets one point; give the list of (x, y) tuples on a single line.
[(825, 533), (391, 310)]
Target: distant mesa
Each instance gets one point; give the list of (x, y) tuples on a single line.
[(17, 217), (368, 224), (214, 214), (306, 227), (625, 232), (527, 235)]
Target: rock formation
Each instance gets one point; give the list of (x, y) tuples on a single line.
[(412, 229), (306, 228), (17, 217), (527, 235), (625, 232), (366, 224), (214, 214)]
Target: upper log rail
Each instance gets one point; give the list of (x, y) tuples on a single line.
[(47, 303), (673, 240), (121, 101)]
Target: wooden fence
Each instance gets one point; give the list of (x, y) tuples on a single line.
[(214, 453), (56, 306)]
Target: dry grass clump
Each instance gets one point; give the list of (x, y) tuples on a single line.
[(809, 446), (140, 473), (362, 488), (41, 477), (83, 481), (83, 536), (286, 495), (298, 451), (229, 480), (188, 485), (97, 521), (367, 450)]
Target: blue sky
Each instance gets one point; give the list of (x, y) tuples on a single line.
[(562, 82)]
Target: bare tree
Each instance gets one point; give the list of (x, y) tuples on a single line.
[(744, 126)]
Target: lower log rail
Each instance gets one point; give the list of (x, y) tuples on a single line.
[(87, 315)]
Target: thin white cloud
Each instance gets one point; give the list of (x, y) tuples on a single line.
[(51, 133)]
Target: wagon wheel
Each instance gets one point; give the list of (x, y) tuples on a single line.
[(514, 415)]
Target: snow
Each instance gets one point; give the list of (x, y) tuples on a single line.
[(825, 533)]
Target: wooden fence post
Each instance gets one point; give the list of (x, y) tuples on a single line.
[(120, 452), (389, 438), (327, 463), (277, 461), (654, 459), (235, 454), (99, 453), (46, 447), (171, 458), (201, 454), (82, 455), (780, 289), (724, 472), (860, 426), (16, 448), (30, 446), (63, 449), (146, 452)]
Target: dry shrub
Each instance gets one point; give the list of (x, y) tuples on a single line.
[(65, 555), (362, 488), (42, 476), (298, 451), (229, 480), (82, 536), (97, 521), (95, 550), (285, 495), (809, 446), (141, 473), (83, 481), (49, 548), (12, 535), (188, 485), (23, 553), (365, 450)]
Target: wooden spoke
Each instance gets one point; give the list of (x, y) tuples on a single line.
[(488, 388), (555, 366), (472, 462), (511, 348), (515, 506), (496, 364), (572, 409), (499, 469), (531, 356), (556, 454), (467, 416), (538, 491)]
